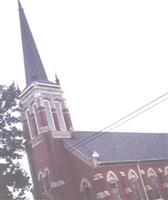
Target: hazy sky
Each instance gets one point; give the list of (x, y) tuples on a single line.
[(111, 56)]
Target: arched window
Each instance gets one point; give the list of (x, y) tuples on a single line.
[(85, 188), (60, 116), (113, 181), (35, 118), (47, 179), (31, 121), (134, 180), (41, 182), (166, 173), (166, 182), (49, 115), (153, 180)]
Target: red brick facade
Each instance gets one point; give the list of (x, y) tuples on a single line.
[(63, 171), (59, 173)]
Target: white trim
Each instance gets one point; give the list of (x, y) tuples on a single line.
[(84, 183), (135, 183), (40, 173), (102, 195), (57, 183), (132, 174), (35, 118), (61, 134), (51, 123), (49, 92), (112, 179), (37, 84), (60, 116), (166, 171), (109, 175), (151, 172), (41, 182), (45, 172), (122, 173), (46, 169), (28, 123), (154, 182), (48, 177), (141, 172), (35, 142), (97, 177)]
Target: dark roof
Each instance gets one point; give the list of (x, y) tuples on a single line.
[(122, 146), (34, 69)]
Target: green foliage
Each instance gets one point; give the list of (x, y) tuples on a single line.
[(14, 181)]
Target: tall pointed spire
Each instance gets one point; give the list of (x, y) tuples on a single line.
[(34, 69)]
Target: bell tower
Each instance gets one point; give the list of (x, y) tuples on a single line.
[(45, 116)]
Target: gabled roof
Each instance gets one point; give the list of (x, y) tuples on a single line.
[(121, 146), (34, 69)]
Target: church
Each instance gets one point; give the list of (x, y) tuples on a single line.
[(83, 165)]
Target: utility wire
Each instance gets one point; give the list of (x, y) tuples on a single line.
[(121, 123), (128, 117), (114, 125)]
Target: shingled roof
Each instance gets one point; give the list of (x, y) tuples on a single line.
[(34, 69), (121, 146)]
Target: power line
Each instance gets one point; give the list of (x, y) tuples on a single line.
[(130, 116), (115, 124)]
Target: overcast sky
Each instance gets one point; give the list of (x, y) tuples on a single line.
[(111, 56)]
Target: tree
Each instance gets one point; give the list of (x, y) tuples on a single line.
[(14, 181)]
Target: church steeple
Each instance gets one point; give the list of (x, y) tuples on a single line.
[(44, 107), (34, 70)]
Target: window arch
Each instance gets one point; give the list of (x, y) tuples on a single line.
[(113, 181), (60, 117), (166, 182), (166, 173), (31, 121), (41, 182), (134, 180), (153, 180), (85, 188), (35, 117), (27, 114), (49, 115), (47, 179)]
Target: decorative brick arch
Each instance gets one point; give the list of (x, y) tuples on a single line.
[(41, 182), (165, 185), (151, 172), (84, 183), (154, 183), (113, 182), (46, 171), (40, 175), (85, 188), (134, 181), (132, 174), (109, 176), (47, 178), (166, 171)]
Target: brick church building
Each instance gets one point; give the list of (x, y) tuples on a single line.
[(77, 165)]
